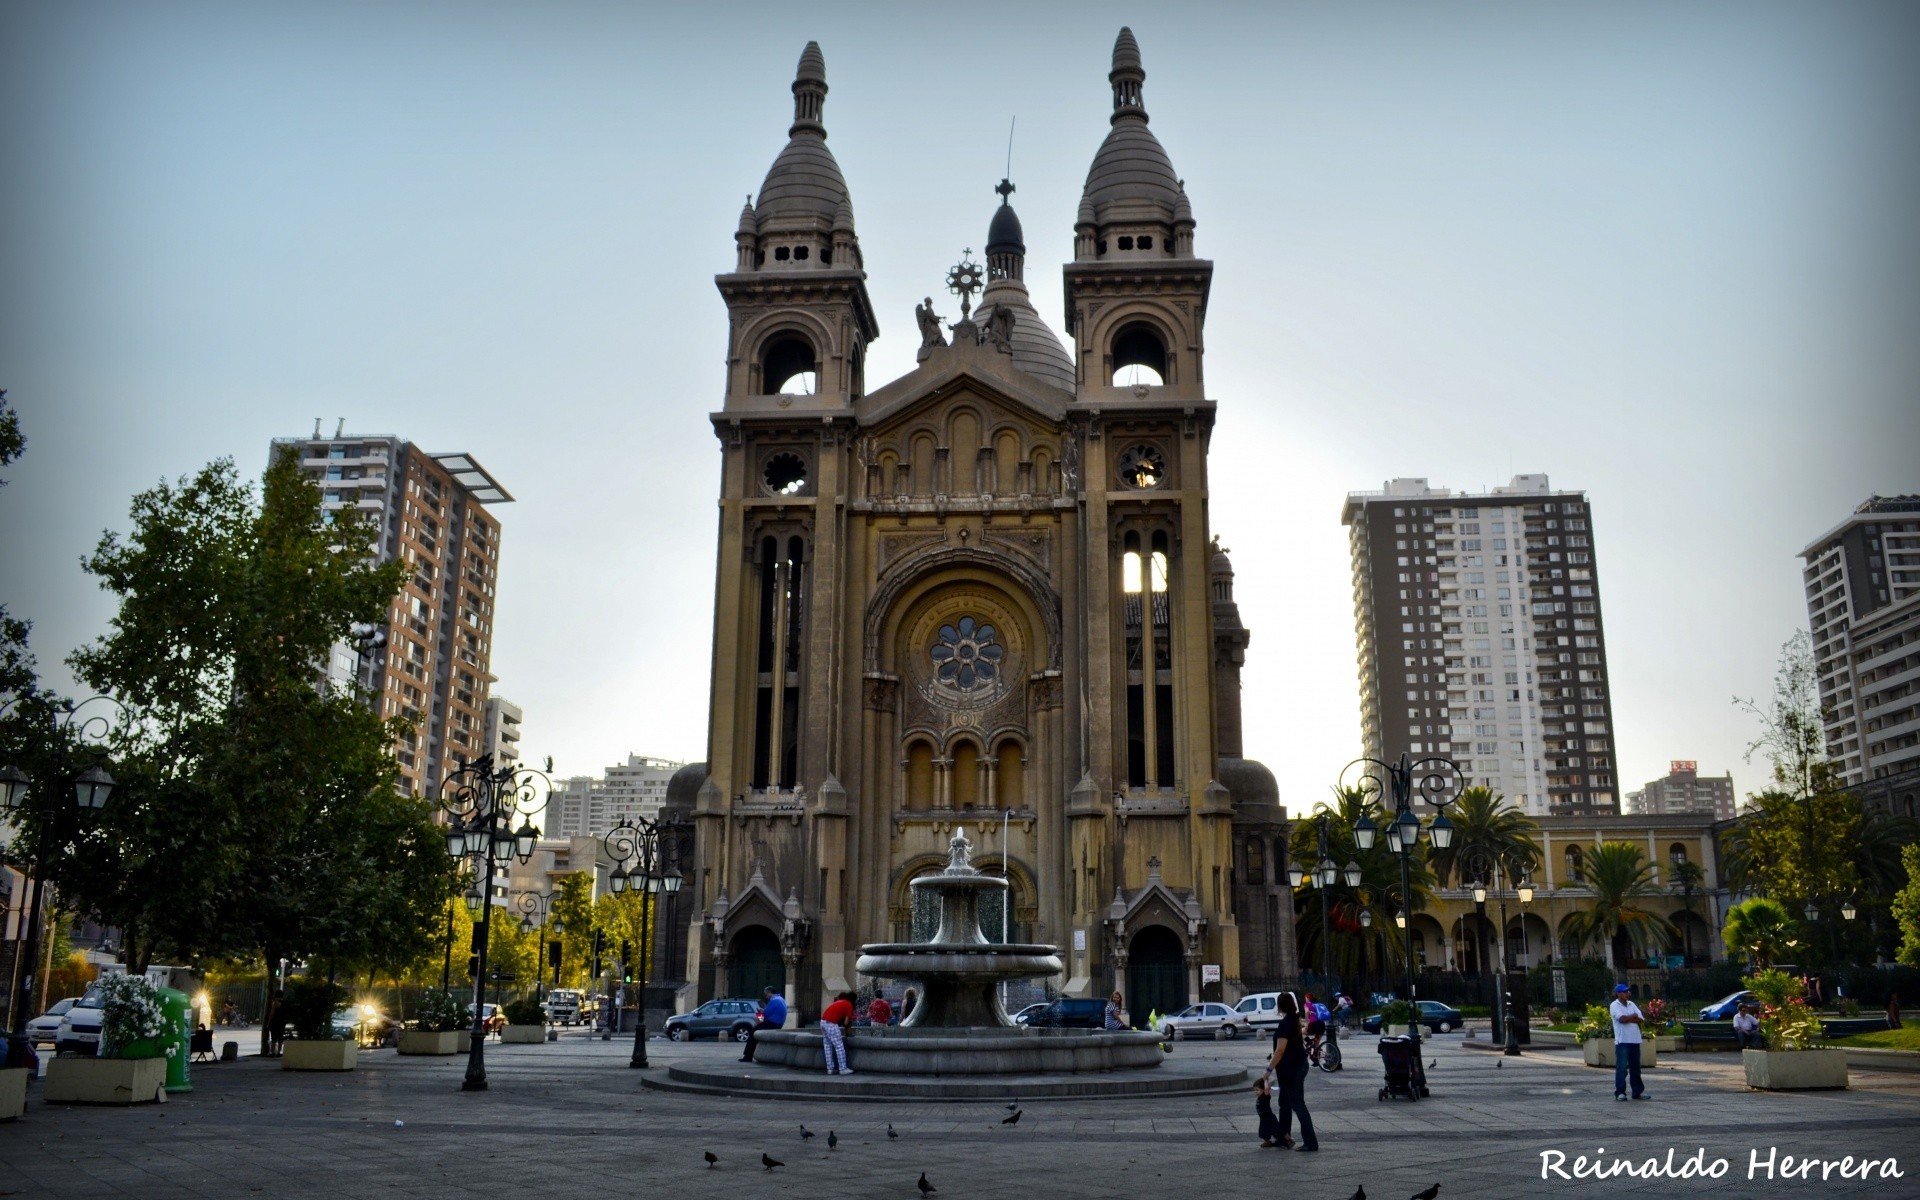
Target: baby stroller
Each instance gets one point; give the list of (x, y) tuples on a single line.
[(1400, 1056)]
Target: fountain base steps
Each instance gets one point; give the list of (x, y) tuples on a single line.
[(1189, 1076)]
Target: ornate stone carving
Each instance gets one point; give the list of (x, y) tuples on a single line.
[(1036, 544), (895, 546)]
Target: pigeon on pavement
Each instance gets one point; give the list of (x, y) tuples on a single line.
[(770, 1162), (712, 1158), (890, 1133), (926, 1189), (1429, 1194), (1012, 1120), (1014, 1104), (806, 1135), (833, 1140), (1359, 1193)]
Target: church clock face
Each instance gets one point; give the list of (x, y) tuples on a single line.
[(1142, 466)]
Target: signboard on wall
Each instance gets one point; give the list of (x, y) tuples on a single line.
[(1677, 766), (1209, 972), (1080, 941)]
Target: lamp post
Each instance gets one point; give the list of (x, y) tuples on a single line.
[(483, 802), (1511, 869), (1437, 781), (91, 789), (646, 856), (530, 903)]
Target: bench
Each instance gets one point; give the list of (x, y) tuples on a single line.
[(1839, 1027), (1708, 1035)]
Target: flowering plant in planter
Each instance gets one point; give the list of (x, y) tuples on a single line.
[(1786, 1023), (1597, 1023), (130, 1014), (1660, 1017), (441, 1012)]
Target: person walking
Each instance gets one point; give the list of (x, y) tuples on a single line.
[(276, 1024), (833, 1033), (1116, 1014), (1627, 1019), (1288, 1064), (1746, 1028), (773, 1015)]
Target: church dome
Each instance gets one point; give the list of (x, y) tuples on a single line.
[(1004, 234), (1036, 349), (804, 185), (1131, 176), (683, 788), (1249, 781)]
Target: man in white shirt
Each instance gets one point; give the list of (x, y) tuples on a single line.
[(1746, 1028), (1627, 1020)]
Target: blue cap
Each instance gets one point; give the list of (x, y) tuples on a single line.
[(1621, 987)]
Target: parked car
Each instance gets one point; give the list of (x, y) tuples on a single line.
[(79, 1030), (732, 1018), (496, 1020), (1209, 1018), (1438, 1017), (45, 1028), (563, 1006), (363, 1023), (1027, 1015), (1261, 1010), (1724, 1008), (1072, 1013)]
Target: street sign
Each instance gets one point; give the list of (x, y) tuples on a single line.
[(503, 976), (1209, 972)]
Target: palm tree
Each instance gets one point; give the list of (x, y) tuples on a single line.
[(1485, 826), (1688, 878), (1620, 880), (1759, 928)]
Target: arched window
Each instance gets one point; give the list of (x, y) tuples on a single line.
[(1010, 776), (919, 776), (776, 745), (1148, 613), (1576, 865), (1677, 854), (788, 366), (966, 776), (1139, 356)]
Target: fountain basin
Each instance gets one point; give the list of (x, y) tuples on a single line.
[(959, 980), (990, 1050)]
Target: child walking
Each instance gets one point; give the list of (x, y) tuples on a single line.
[(1270, 1135)]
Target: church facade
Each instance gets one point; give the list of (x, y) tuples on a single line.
[(981, 597)]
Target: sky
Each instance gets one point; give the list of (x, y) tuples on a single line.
[(1664, 253)]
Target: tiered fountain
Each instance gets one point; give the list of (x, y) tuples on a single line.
[(959, 1027)]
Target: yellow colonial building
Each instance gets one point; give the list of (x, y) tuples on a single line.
[(983, 596)]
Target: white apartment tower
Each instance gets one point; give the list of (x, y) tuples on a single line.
[(1863, 600), (1480, 638), (587, 807)]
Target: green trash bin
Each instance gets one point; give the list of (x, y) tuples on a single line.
[(178, 1006)]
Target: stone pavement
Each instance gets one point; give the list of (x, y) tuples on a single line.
[(570, 1120)]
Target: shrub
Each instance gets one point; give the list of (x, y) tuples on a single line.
[(309, 1005), (1596, 1023), (1397, 1015), (1786, 1023), (525, 1012), (1660, 1017), (130, 1012), (441, 1012)]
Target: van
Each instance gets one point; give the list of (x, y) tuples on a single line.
[(563, 1006), (1072, 1013), (1261, 1010)]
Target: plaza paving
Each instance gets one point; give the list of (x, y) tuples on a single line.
[(570, 1119)]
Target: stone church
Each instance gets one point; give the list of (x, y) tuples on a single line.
[(983, 596)]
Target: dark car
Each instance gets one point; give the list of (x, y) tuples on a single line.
[(1724, 1008), (1069, 1013), (1434, 1015), (716, 1018)]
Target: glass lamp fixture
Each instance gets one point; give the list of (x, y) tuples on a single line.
[(1526, 891), (1324, 873), (477, 838), (1848, 911), (1441, 831), (456, 840), (93, 787), (671, 881), (523, 840), (1479, 892), (617, 880), (1410, 832), (1364, 830), (526, 924), (1400, 919), (1295, 874), (473, 902), (1353, 873), (1812, 912), (13, 787), (1366, 918), (502, 847)]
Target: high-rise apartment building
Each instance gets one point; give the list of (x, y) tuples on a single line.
[(1684, 791), (430, 511), (1863, 600), (587, 807), (1480, 638), (503, 730)]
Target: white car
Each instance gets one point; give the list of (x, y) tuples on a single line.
[(45, 1028), (1212, 1020), (1261, 1010), (80, 1025)]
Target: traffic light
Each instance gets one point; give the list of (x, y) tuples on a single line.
[(553, 955), (626, 961)]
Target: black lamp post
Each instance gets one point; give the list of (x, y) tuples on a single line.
[(483, 801), (646, 856), (530, 903), (1504, 870), (1438, 782), (91, 789)]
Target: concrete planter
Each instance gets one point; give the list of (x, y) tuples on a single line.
[(329, 1055), (463, 1042), (523, 1035), (1667, 1043), (1599, 1053), (105, 1080), (13, 1093), (1795, 1070), (420, 1041)]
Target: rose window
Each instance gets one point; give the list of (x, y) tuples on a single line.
[(967, 654)]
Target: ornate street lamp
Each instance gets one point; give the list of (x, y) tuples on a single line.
[(1437, 782), (646, 856), (484, 800), (1506, 870), (1848, 911)]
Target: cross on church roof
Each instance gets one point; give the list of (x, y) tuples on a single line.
[(964, 280), (1005, 190)]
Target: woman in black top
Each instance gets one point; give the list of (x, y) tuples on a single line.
[(1289, 1065)]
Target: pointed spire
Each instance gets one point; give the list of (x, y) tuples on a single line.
[(1127, 77), (809, 92), (747, 223), (1006, 242)]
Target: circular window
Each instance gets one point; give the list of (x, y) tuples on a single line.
[(1142, 466), (785, 474), (967, 654)]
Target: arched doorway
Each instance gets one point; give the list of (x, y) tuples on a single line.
[(756, 962), (1156, 974)]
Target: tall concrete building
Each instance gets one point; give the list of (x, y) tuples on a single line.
[(587, 807), (1863, 600), (1684, 790), (430, 512), (502, 738), (1480, 638), (982, 597)]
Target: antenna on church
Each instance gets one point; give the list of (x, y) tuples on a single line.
[(1010, 122)]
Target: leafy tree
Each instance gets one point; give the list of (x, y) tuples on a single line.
[(1759, 928), (1621, 882), (1906, 908), (573, 906), (1793, 735), (1485, 826), (1690, 880)]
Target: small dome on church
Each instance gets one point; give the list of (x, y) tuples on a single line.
[(683, 788), (1249, 781), (804, 186), (1003, 233), (813, 65), (1131, 176), (1036, 349)]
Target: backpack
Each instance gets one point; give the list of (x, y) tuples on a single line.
[(1319, 1011)]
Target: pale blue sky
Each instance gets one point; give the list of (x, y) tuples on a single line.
[(1663, 252)]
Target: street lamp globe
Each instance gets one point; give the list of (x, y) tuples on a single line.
[(1366, 918), (93, 787), (1848, 911), (456, 840), (526, 924), (1479, 893), (1400, 919), (473, 902), (476, 837), (559, 926), (1354, 874), (1812, 913), (1409, 828), (617, 880), (523, 840), (1364, 831), (1296, 875), (1526, 891), (671, 881), (13, 787), (1324, 873), (1442, 832)]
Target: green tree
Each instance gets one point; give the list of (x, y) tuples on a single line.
[(1759, 928), (1690, 880), (1621, 882), (257, 810), (1906, 908), (1486, 826), (573, 906)]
